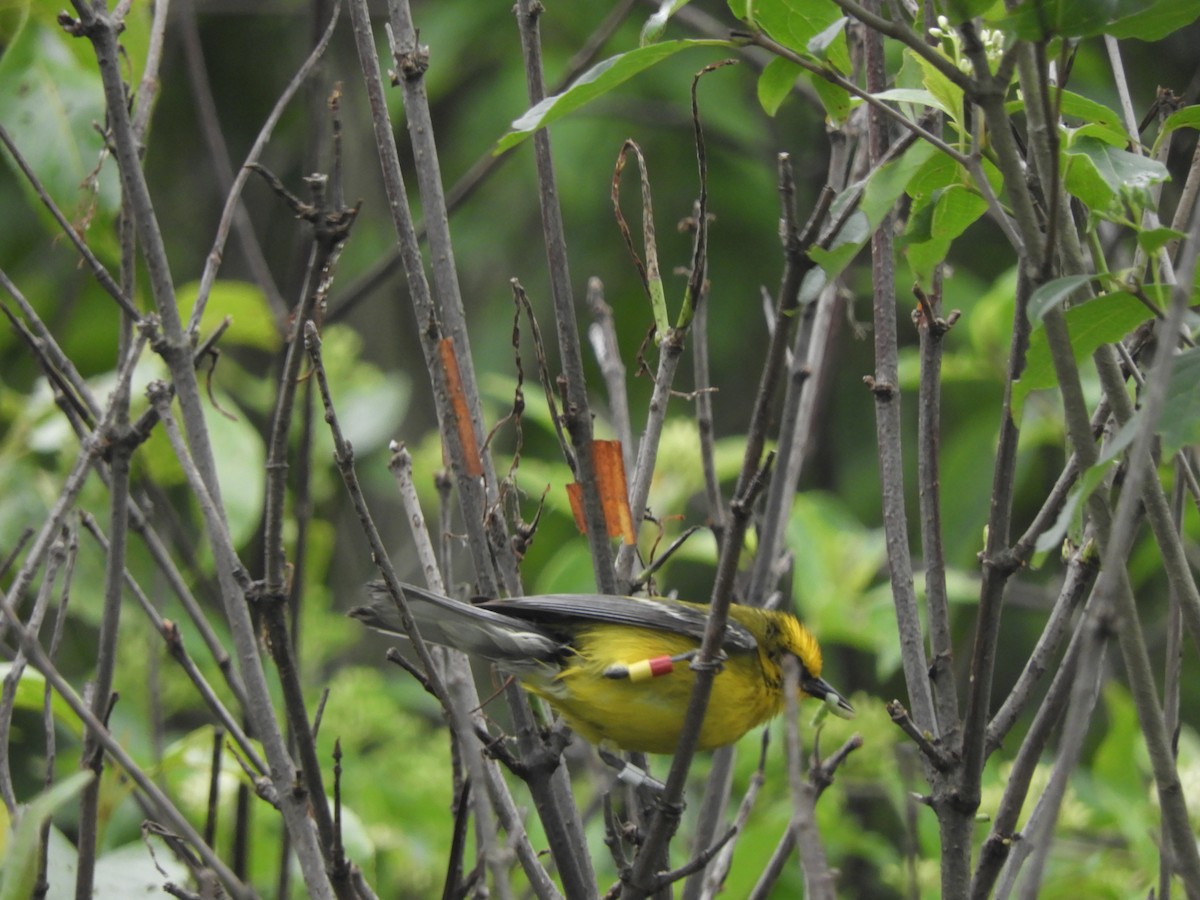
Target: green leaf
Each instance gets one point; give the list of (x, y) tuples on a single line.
[(1040, 20), (13, 16), (913, 95), (1095, 118), (1091, 479), (1104, 177), (819, 46), (1076, 106), (21, 863), (241, 468), (955, 208), (597, 81), (948, 94), (253, 322), (655, 24), (1153, 21), (31, 695), (885, 185), (1154, 239), (1068, 517), (776, 83), (1188, 117), (850, 239), (49, 102), (797, 23), (879, 195), (1180, 425), (1103, 320), (1053, 293), (1147, 20), (240, 460), (937, 172), (836, 99)]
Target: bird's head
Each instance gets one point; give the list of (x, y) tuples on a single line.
[(800, 642)]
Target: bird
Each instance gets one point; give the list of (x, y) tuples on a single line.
[(617, 668)]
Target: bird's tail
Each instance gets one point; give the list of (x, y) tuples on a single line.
[(502, 639)]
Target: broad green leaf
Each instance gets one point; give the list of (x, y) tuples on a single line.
[(919, 227), (49, 102), (836, 100), (241, 467), (1104, 177), (1115, 755), (596, 82), (13, 16), (1106, 123), (253, 322), (1154, 239), (879, 195), (819, 46), (948, 94), (885, 186), (654, 26), (776, 83), (21, 863), (130, 871), (1147, 20), (911, 95), (1076, 106), (937, 172), (836, 564), (1068, 518), (1090, 480), (1154, 20), (1180, 424), (953, 211), (1102, 133), (850, 239), (1188, 117), (796, 23), (1103, 320), (241, 462), (1053, 293), (372, 409), (31, 695), (1038, 20)]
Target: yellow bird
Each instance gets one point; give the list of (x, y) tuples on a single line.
[(616, 668)]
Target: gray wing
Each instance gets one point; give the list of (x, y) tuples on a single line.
[(472, 629), (663, 615)]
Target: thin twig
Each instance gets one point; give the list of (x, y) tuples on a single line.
[(603, 336), (233, 201), (576, 414)]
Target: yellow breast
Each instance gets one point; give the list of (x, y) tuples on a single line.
[(648, 715)]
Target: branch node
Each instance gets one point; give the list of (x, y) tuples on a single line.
[(883, 390)]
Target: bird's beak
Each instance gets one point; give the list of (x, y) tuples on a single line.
[(821, 690)]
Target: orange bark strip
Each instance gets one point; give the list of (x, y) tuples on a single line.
[(458, 402), (614, 494), (575, 495)]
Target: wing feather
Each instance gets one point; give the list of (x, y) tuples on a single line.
[(661, 614)]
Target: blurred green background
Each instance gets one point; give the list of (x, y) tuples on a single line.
[(396, 783)]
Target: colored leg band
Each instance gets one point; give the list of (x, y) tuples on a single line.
[(645, 669)]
